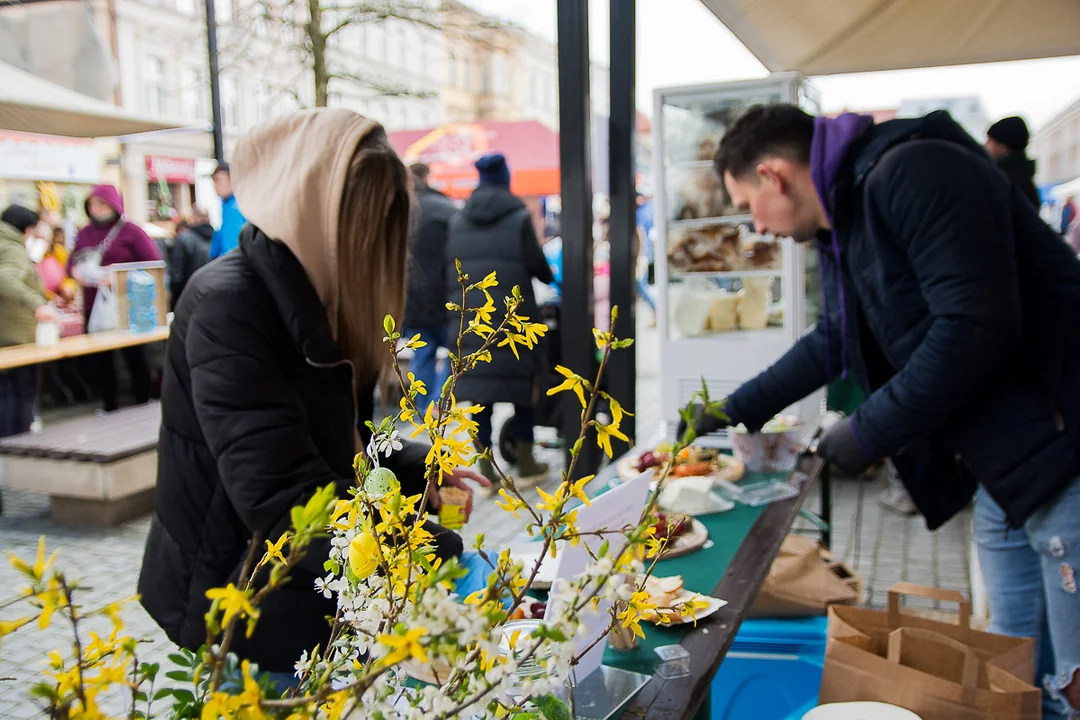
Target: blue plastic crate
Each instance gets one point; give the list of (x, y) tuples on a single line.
[(772, 672)]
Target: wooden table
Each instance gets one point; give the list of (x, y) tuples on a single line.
[(69, 347), (708, 643)]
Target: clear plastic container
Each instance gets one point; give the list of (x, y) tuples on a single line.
[(674, 662), (755, 494), (141, 292)]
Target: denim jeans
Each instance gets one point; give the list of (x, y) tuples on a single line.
[(1031, 584), (424, 362), (524, 416), (643, 292)]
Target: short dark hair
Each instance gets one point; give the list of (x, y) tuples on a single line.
[(20, 217), (420, 172), (222, 167), (779, 130)]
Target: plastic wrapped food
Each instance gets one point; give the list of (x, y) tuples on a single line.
[(723, 312), (753, 305)]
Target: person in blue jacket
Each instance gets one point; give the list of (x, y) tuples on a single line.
[(227, 237), (957, 310)]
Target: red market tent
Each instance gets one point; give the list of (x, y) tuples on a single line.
[(531, 150)]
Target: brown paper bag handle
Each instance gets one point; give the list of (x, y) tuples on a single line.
[(969, 675), (930, 593)]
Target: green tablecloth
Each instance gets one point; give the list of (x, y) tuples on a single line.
[(701, 571), (845, 396)]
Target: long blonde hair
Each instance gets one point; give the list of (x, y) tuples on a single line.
[(372, 252)]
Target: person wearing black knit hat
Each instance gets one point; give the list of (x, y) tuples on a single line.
[(1007, 142), (494, 232)]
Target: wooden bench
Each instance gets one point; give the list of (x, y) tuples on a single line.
[(98, 470)]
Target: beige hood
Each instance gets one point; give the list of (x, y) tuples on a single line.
[(289, 175)]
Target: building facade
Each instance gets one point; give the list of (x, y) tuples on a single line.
[(411, 65), (149, 57), (1056, 147), (969, 111), (496, 71)]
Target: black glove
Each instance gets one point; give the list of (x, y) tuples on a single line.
[(704, 424), (840, 447)]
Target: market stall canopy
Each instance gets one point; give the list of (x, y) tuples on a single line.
[(531, 150), (827, 37), (31, 104)]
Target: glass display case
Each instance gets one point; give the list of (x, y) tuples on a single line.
[(730, 301)]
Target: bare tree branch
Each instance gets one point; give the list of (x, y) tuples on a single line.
[(381, 88), (306, 28)]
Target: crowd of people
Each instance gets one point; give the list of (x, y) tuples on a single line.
[(46, 279)]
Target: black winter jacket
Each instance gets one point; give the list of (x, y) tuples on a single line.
[(425, 288), (1021, 172), (257, 412), (971, 305), (189, 253), (494, 233)]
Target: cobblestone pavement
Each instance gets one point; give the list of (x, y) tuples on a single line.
[(884, 547)]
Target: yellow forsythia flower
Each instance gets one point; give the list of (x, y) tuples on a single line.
[(403, 647), (572, 382), (234, 602), (273, 550), (6, 628)]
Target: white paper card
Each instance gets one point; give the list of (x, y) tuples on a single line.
[(617, 508)]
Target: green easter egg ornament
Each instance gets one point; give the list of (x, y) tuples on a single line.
[(381, 482)]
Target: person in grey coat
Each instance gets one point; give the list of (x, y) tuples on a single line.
[(494, 233)]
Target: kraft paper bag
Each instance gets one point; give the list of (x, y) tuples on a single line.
[(938, 670), (804, 580)]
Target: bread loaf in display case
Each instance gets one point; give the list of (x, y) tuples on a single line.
[(722, 248)]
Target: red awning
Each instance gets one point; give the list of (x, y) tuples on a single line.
[(531, 150)]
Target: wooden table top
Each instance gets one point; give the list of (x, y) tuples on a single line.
[(708, 643), (23, 355)]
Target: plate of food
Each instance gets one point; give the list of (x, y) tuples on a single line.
[(684, 533), (691, 461), (669, 595)]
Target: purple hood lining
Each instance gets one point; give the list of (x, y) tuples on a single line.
[(833, 137)]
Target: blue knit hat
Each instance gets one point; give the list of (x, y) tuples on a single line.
[(493, 170)]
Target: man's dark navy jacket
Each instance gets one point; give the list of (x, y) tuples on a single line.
[(961, 318)]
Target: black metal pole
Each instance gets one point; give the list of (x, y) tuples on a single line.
[(215, 86), (578, 345), (622, 377)]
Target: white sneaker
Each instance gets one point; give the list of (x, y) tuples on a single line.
[(898, 500)]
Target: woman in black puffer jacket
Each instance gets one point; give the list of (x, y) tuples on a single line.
[(270, 372)]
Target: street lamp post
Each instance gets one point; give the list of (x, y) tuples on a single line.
[(215, 85)]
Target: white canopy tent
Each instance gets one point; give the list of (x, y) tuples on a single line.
[(828, 37), (33, 105)]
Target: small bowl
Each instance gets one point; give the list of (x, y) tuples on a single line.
[(771, 450)]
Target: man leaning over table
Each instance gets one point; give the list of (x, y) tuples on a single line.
[(957, 309)]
